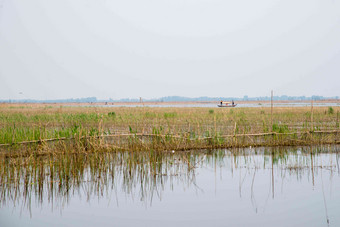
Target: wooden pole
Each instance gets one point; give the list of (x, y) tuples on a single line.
[(215, 125), (311, 115), (271, 108)]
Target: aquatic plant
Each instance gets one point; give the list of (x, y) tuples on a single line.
[(144, 175), (330, 110)]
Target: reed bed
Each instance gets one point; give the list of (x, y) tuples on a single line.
[(56, 177), (50, 128)]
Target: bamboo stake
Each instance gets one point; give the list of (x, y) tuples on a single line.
[(215, 124), (311, 115), (311, 161), (271, 109)]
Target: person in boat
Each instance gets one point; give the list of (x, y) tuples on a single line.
[(221, 102), (232, 102)]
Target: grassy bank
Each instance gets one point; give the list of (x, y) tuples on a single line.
[(145, 128)]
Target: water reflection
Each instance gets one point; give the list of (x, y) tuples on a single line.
[(257, 174), (58, 177)]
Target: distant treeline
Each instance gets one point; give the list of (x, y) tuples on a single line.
[(79, 100), (171, 99)]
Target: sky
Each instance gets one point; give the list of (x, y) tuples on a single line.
[(57, 49)]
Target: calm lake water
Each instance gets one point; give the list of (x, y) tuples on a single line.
[(288, 186), (214, 105)]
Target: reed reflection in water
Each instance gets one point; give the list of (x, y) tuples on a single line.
[(221, 186)]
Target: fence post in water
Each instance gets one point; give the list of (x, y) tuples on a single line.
[(312, 164)]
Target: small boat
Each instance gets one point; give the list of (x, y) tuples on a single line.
[(227, 104)]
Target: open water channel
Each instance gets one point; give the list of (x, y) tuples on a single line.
[(214, 105), (290, 186)]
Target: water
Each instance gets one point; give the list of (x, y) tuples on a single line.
[(260, 187), (214, 105)]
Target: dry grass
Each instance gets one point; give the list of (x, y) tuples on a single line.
[(162, 128)]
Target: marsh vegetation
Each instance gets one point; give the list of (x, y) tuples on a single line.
[(51, 128), (122, 181)]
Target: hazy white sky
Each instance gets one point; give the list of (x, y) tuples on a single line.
[(54, 49)]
